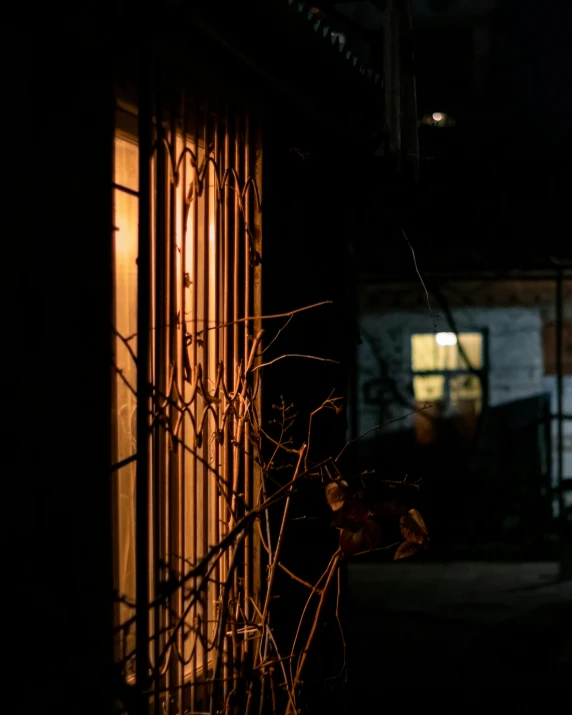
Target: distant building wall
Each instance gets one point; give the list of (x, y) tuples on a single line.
[(515, 357)]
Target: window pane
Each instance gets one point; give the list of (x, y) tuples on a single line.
[(466, 394), (473, 345), (125, 416), (427, 354), (423, 352), (126, 165), (428, 388)]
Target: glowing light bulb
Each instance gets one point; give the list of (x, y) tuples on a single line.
[(446, 339), (438, 116)]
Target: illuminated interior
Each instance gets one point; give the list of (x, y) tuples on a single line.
[(439, 352), (125, 280), (446, 338), (199, 299), (442, 364)]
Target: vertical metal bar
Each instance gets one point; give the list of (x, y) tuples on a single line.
[(205, 501), (181, 381), (145, 130), (257, 476), (216, 337), (160, 520), (173, 455), (238, 221), (392, 82), (564, 530), (247, 334), (227, 363), (195, 407), (559, 388)]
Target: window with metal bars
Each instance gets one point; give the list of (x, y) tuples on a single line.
[(203, 203)]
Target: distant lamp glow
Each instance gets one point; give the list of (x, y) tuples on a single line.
[(446, 339), (440, 120)]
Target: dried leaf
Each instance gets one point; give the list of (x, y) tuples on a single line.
[(351, 541), (336, 494), (406, 549), (413, 527), (419, 519), (355, 509), (364, 538)]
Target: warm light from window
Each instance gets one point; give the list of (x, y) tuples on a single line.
[(125, 234), (446, 339), (430, 352)]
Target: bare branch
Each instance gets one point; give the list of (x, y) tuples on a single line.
[(297, 355), (421, 279), (426, 406)]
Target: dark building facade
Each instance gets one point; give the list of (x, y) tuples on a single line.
[(197, 169)]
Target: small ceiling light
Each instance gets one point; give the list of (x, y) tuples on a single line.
[(438, 119), (446, 339)]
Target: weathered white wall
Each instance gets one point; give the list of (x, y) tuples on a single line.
[(515, 351)]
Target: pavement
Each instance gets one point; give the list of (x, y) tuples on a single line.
[(463, 625)]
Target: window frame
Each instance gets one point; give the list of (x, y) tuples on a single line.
[(234, 340), (447, 410)]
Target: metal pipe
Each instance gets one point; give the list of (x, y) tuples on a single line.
[(564, 530), (559, 389)]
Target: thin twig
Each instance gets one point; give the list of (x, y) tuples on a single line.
[(426, 406), (296, 355), (304, 655), (281, 565), (275, 556), (421, 279), (275, 338), (239, 320)]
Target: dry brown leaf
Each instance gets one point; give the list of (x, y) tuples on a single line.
[(413, 527), (336, 494), (419, 519), (406, 549), (364, 538), (351, 541), (356, 509)]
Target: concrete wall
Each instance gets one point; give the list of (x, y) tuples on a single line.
[(515, 357)]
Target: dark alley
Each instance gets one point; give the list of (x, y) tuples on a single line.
[(289, 354)]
